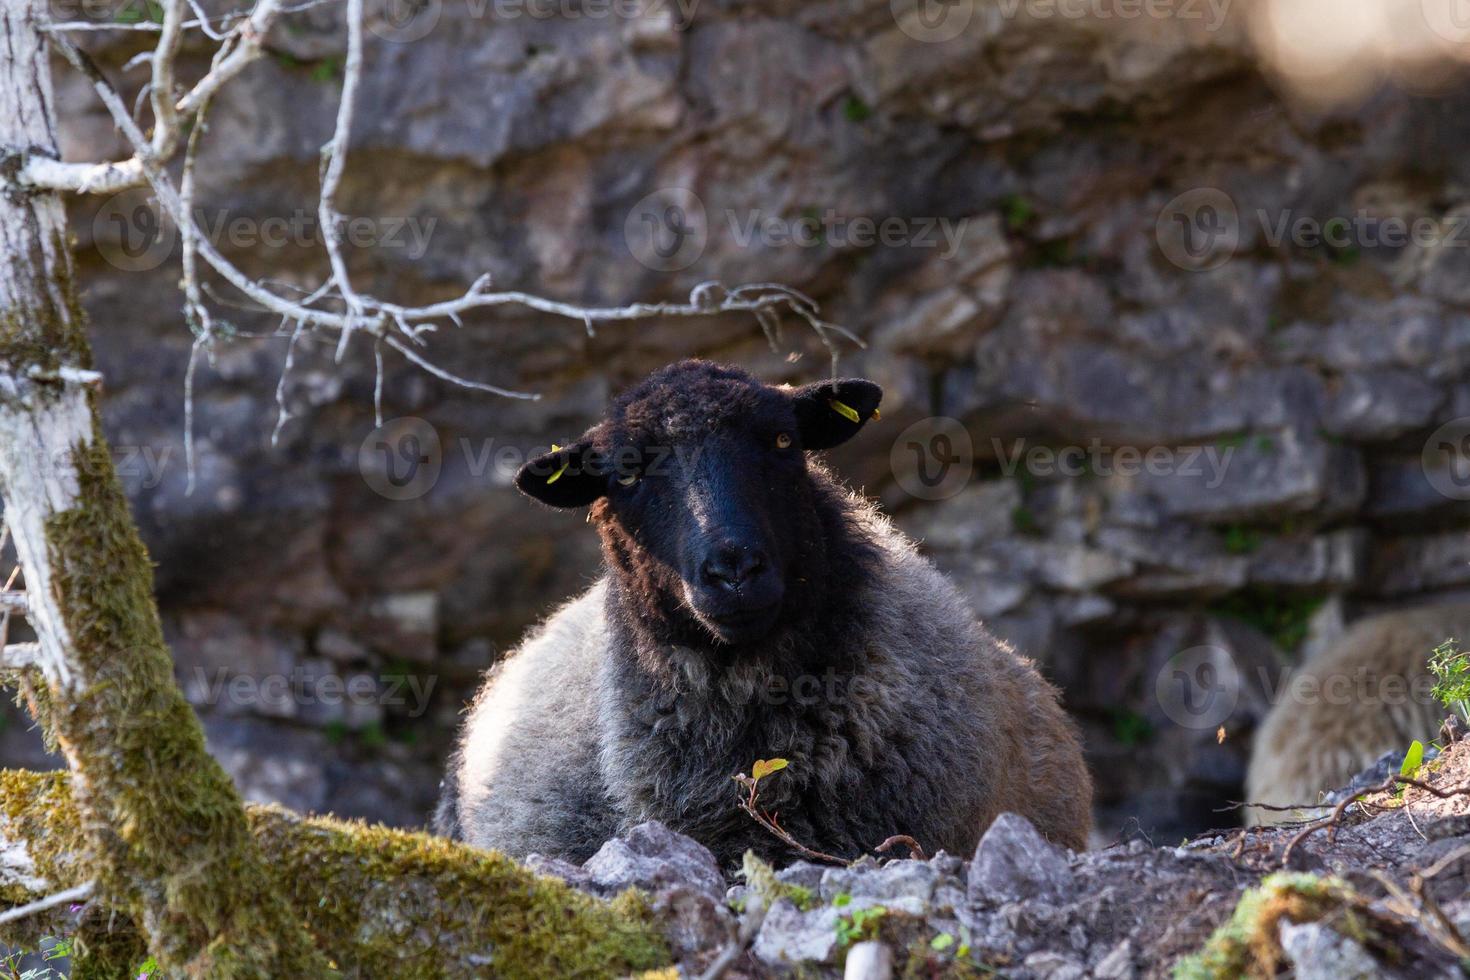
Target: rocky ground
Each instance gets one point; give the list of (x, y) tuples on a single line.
[(1378, 891)]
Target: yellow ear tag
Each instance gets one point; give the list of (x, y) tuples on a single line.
[(846, 411), (557, 475), (877, 416)]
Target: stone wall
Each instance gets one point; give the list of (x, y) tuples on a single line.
[(1199, 439)]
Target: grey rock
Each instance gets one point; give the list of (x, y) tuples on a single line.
[(804, 874), (1014, 863), (1175, 559), (554, 867), (1316, 952), (906, 886), (948, 865), (691, 920), (790, 936), (1118, 964), (1053, 966), (981, 513), (1335, 560), (651, 856), (1268, 475), (1418, 563), (1400, 487), (1380, 405)]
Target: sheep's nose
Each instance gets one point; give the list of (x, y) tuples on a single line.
[(730, 566)]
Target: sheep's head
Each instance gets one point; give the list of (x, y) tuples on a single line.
[(699, 485)]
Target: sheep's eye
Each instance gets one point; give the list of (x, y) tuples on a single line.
[(783, 441), (628, 480)]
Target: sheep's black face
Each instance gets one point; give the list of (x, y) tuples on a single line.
[(701, 488)]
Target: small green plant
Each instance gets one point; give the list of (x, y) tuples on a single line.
[(1248, 944), (138, 12), (1241, 540), (52, 948), (855, 109), (1413, 759), (1284, 618), (327, 70), (859, 924), (1451, 668), (1018, 211), (1130, 727)]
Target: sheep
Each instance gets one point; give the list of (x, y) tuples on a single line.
[(1367, 694), (751, 607)]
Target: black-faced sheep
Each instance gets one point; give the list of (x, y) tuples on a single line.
[(752, 608), (1367, 694)]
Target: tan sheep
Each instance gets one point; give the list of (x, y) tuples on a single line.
[(1366, 695)]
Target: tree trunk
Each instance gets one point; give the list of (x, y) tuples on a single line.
[(165, 833)]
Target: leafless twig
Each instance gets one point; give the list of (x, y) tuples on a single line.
[(336, 306), (1331, 822), (49, 902), (772, 823), (915, 851)]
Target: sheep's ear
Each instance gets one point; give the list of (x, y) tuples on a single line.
[(828, 416), (565, 477)]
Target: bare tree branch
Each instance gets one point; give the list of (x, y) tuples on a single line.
[(51, 901)]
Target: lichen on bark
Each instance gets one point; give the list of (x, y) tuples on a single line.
[(380, 902)]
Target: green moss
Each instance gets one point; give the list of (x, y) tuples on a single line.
[(1240, 540), (761, 878), (52, 331), (1284, 618), (855, 109), (1018, 211), (381, 902), (168, 836), (1248, 945)]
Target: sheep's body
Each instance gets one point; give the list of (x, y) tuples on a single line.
[(922, 724), (1366, 695)]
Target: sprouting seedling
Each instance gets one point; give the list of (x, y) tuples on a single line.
[(764, 767), (1413, 759), (1451, 668), (759, 771)]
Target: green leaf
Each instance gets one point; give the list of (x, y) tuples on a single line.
[(1413, 759), (764, 767), (941, 942)]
